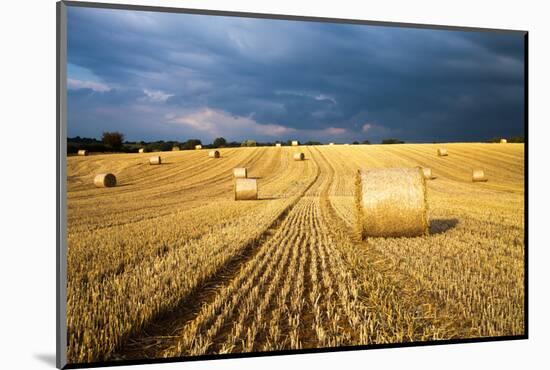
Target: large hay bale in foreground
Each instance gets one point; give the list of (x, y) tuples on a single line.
[(442, 152), (240, 173), (175, 148), (105, 180), (478, 175), (503, 141), (278, 145), (214, 154), (299, 156), (294, 142), (82, 152), (427, 173), (391, 202), (246, 189), (197, 147), (155, 160)]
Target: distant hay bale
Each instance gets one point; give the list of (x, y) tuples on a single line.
[(391, 202), (82, 152), (294, 143), (442, 152), (299, 156), (246, 189), (330, 143), (155, 160), (427, 173), (105, 180), (141, 150), (214, 154), (278, 145), (175, 148), (503, 141), (478, 175), (197, 147), (240, 173)]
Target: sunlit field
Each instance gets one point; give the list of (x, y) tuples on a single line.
[(168, 264)]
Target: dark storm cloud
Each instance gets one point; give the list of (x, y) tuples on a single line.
[(159, 75)]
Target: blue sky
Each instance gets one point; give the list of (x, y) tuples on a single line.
[(163, 76)]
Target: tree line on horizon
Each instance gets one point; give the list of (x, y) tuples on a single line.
[(114, 142)]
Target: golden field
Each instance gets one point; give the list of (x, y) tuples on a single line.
[(168, 264)]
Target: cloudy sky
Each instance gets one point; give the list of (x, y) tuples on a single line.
[(162, 76)]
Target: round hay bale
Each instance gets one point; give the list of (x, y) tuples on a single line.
[(105, 180), (299, 156), (197, 147), (175, 148), (82, 152), (240, 173), (330, 143), (478, 175), (294, 142), (141, 150), (503, 141), (246, 189), (427, 173), (391, 202), (155, 160), (278, 145), (214, 154), (442, 152)]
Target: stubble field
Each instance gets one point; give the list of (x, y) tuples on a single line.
[(168, 264)]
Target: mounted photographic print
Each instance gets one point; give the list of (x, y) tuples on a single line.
[(235, 184)]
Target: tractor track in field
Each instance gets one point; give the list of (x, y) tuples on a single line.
[(159, 334), (277, 301)]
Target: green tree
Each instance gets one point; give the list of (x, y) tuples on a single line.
[(219, 142), (392, 141), (249, 143), (113, 139), (191, 143)]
